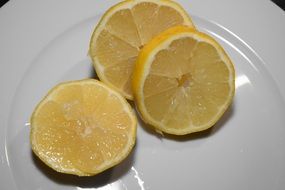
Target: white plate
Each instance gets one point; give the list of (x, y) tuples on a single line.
[(43, 43)]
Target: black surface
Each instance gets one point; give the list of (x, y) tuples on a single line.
[(2, 3), (280, 3)]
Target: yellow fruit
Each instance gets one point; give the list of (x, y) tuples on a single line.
[(82, 128), (183, 81), (123, 31)]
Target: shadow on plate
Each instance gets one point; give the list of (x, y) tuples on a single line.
[(100, 180), (93, 73), (193, 136)]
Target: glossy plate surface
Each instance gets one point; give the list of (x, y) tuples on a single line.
[(245, 150)]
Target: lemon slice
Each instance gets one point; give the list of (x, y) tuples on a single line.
[(183, 81), (123, 31), (82, 128)]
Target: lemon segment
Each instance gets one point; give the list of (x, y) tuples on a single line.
[(121, 33), (82, 128), (183, 81)]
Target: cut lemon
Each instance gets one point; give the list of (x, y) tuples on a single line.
[(123, 31), (82, 128), (183, 81)]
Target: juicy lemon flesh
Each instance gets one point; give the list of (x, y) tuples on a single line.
[(188, 87), (126, 31), (82, 130)]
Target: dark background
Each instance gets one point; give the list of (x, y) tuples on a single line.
[(280, 3)]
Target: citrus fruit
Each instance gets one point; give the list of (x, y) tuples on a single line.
[(183, 81), (82, 128), (123, 30)]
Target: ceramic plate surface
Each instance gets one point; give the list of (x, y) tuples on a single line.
[(44, 43)]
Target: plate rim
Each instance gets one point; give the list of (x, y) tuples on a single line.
[(7, 11)]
